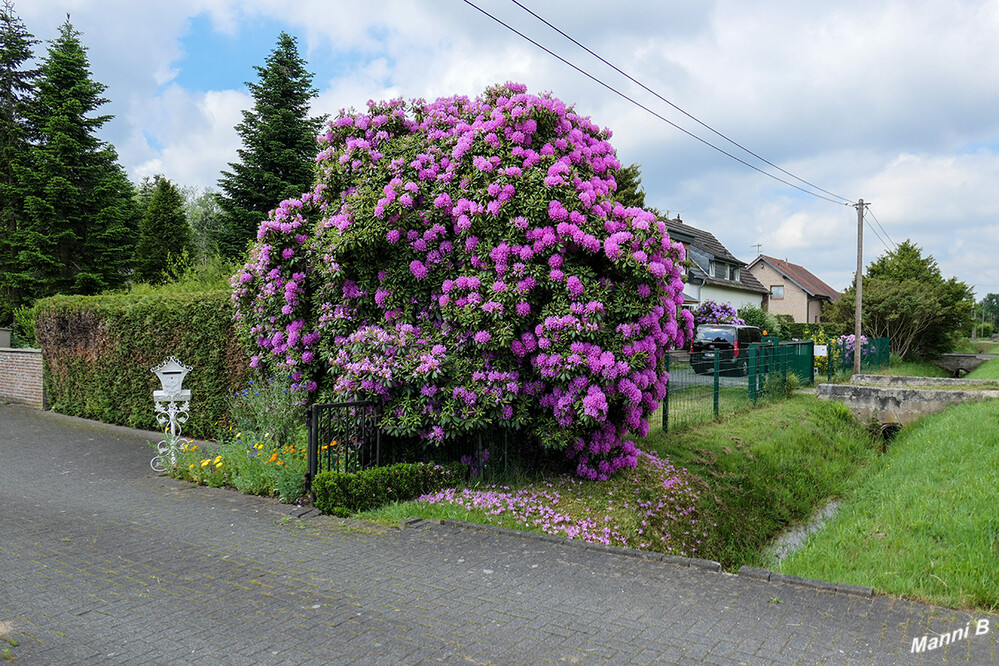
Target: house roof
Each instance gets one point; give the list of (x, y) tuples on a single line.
[(800, 276), (707, 243), (703, 240)]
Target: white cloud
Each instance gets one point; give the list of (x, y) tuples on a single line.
[(881, 100), (198, 135)]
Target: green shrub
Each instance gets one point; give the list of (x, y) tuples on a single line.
[(23, 331), (767, 321), (986, 330), (342, 494), (791, 330), (98, 352)]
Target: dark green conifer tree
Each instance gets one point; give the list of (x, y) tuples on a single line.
[(164, 234), (78, 207), (279, 147), (15, 92)]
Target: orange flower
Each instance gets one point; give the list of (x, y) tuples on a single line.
[(272, 458)]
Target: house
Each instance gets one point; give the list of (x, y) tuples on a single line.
[(714, 273), (792, 289)]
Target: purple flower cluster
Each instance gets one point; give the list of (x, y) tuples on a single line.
[(710, 312), (489, 228), (653, 508)]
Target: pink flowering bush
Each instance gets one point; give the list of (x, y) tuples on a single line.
[(464, 262), (710, 312)]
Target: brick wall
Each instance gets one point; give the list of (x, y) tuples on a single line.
[(21, 377)]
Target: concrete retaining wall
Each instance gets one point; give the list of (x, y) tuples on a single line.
[(924, 382), (21, 377), (886, 400)]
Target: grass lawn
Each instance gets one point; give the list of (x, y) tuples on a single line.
[(988, 370), (720, 491), (922, 523), (766, 468)]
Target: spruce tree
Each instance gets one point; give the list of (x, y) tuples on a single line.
[(15, 92), (78, 201), (279, 147), (164, 234)]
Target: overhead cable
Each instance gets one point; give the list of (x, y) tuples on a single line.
[(652, 112), (660, 97)]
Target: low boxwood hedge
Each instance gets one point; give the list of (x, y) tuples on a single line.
[(342, 494)]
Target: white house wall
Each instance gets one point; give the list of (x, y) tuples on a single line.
[(733, 297)]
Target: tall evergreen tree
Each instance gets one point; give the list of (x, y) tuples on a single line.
[(78, 201), (15, 92), (279, 147), (164, 234)]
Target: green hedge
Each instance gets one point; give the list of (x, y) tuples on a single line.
[(342, 494), (98, 352), (791, 330)]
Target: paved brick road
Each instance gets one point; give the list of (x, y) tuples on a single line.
[(103, 562)]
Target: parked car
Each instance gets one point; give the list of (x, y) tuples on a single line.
[(727, 341)]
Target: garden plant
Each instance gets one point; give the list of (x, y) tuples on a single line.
[(464, 263)]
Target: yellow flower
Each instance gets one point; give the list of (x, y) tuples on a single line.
[(204, 463), (192, 466), (218, 464), (218, 459)]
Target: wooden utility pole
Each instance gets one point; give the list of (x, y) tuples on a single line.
[(860, 287)]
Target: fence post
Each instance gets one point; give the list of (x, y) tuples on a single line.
[(665, 403), (811, 358), (717, 372), (752, 370), (310, 417)]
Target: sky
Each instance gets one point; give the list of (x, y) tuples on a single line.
[(892, 102)]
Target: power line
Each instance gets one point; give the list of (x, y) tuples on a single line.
[(894, 244), (660, 97), (871, 227), (654, 113)]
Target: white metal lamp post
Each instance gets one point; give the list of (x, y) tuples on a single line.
[(172, 403)]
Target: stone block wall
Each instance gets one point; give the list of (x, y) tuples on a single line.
[(21, 377)]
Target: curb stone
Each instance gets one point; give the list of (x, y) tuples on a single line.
[(707, 565), (769, 576)]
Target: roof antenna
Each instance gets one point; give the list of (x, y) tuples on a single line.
[(757, 246)]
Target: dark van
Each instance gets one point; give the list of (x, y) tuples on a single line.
[(728, 342)]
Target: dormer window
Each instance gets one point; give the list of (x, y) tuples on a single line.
[(724, 271)]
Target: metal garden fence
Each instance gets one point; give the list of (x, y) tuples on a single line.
[(345, 437), (697, 394)]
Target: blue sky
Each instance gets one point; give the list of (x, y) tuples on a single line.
[(892, 102)]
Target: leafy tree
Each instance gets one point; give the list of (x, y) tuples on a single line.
[(907, 300), (164, 234), (201, 206), (15, 92), (78, 208), (630, 192), (987, 309), (629, 186), (279, 147)]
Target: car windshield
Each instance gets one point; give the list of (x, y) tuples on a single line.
[(715, 334)]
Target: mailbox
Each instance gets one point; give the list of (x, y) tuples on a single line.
[(171, 373)]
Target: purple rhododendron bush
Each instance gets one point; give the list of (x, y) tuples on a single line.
[(712, 312), (464, 263)]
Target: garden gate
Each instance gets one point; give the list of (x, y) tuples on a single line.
[(343, 437)]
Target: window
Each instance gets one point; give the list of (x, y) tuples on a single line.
[(777, 291)]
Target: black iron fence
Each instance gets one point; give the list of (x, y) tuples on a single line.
[(345, 437)]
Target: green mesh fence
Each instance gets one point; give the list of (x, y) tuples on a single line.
[(699, 394)]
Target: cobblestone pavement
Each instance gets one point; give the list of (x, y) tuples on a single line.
[(101, 561)]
